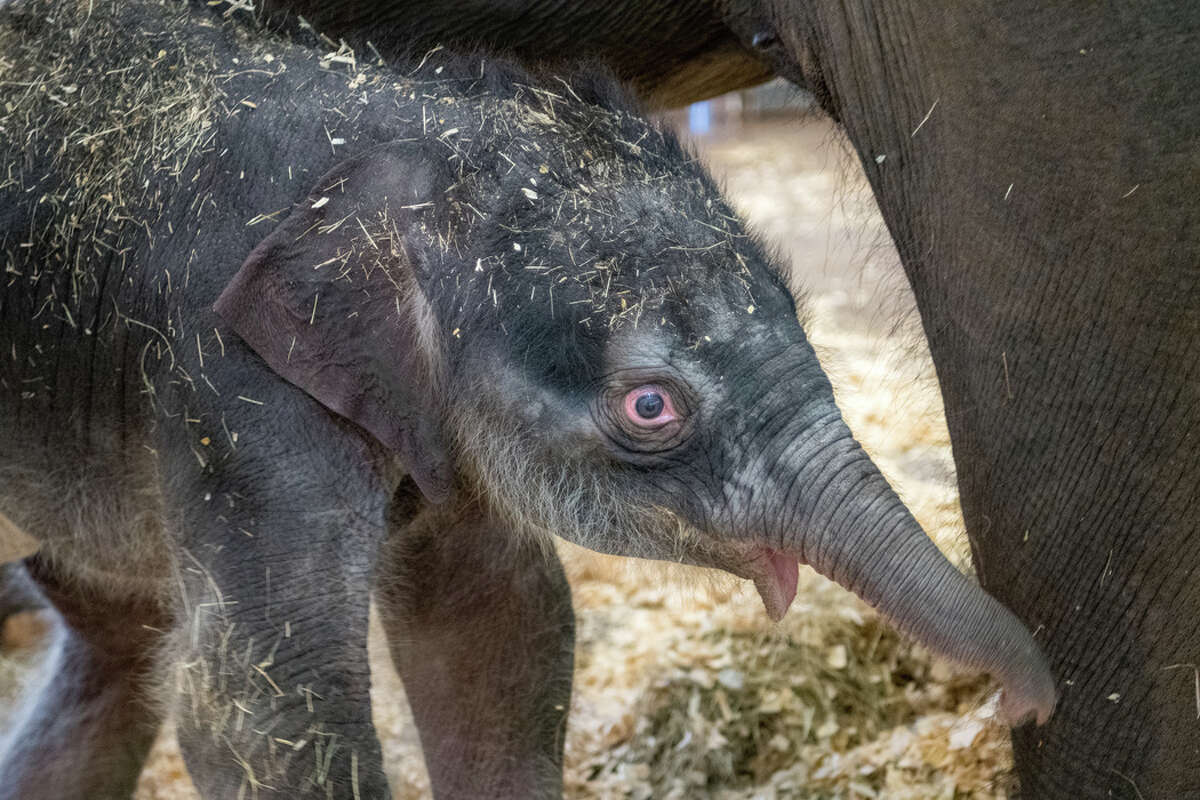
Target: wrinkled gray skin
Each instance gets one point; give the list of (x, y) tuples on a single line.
[(278, 333), (1036, 165)]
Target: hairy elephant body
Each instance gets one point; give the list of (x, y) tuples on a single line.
[(108, 284)]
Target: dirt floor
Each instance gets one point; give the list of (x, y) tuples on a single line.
[(683, 688)]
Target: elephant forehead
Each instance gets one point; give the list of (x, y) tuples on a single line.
[(633, 277)]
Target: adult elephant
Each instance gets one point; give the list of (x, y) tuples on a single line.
[(1038, 166)]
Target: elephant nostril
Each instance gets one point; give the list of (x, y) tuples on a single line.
[(763, 39)]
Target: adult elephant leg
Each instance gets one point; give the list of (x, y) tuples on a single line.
[(86, 732), (1078, 473), (481, 629), (278, 537)]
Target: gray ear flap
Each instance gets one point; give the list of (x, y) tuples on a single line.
[(330, 301)]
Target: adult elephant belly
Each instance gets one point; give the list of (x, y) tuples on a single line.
[(672, 51)]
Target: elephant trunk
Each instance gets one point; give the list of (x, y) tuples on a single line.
[(841, 517)]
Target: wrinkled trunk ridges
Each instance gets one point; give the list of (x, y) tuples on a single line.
[(843, 518)]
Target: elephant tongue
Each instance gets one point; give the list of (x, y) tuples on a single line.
[(776, 583)]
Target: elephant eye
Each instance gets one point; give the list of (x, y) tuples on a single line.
[(649, 406)]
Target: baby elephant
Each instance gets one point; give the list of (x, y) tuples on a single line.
[(279, 329)]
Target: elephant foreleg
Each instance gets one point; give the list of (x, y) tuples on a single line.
[(272, 675), (277, 539), (481, 629)]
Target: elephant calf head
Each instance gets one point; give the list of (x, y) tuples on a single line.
[(551, 306)]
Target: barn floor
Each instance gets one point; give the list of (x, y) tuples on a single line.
[(687, 691)]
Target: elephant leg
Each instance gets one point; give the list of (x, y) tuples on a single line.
[(481, 630), (278, 540), (273, 678), (86, 731)]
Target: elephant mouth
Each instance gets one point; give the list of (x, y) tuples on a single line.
[(775, 575)]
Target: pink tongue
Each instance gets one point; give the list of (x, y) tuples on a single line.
[(777, 588)]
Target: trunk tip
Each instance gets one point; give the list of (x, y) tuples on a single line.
[(1030, 697)]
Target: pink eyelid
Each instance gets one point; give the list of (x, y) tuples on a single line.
[(666, 415)]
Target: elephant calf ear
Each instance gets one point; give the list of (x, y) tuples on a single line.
[(330, 301)]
